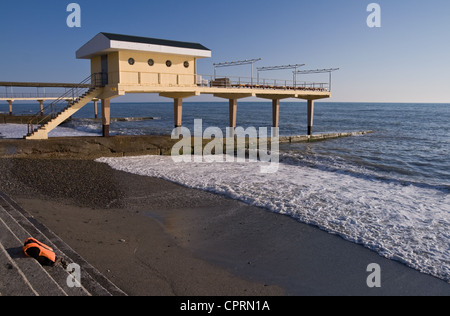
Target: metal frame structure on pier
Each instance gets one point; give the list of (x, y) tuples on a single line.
[(236, 63)]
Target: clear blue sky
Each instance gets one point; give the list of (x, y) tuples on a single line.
[(406, 60)]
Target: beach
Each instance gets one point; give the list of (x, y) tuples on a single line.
[(165, 164), (157, 238)]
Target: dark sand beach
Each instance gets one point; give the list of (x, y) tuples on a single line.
[(153, 237)]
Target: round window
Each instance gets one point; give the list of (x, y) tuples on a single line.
[(168, 63), (151, 62), (131, 61), (186, 64)]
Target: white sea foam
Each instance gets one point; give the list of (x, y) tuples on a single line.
[(402, 222)]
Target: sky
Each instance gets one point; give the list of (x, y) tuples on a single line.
[(407, 59)]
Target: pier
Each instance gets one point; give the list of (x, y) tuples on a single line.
[(39, 96), (123, 64)]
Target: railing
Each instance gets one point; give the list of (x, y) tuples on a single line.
[(62, 103), (175, 79), (29, 95), (259, 83)]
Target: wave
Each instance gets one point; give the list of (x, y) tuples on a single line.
[(400, 221), (365, 170)]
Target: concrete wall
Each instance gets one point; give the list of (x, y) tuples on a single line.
[(96, 65), (96, 147), (141, 73), (113, 67)]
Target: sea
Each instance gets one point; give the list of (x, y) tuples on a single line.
[(388, 191)]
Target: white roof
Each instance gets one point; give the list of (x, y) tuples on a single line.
[(104, 43)]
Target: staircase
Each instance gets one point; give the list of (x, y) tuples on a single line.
[(24, 276), (64, 107)]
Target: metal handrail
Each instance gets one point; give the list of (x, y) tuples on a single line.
[(262, 83), (51, 111), (29, 95), (203, 80)]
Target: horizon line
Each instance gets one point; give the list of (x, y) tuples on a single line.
[(282, 101)]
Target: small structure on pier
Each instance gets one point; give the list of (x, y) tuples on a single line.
[(122, 64), (133, 64)]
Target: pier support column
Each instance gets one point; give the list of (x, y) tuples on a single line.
[(232, 98), (275, 116), (178, 104), (10, 102), (178, 111), (233, 112), (41, 103), (95, 109), (233, 115), (106, 116), (310, 116)]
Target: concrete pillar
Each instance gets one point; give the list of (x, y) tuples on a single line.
[(275, 117), (310, 116), (41, 103), (106, 116), (10, 102), (275, 112), (178, 111), (95, 109), (233, 112)]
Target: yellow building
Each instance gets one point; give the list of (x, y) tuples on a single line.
[(134, 64)]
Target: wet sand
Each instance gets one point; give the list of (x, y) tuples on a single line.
[(153, 237)]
